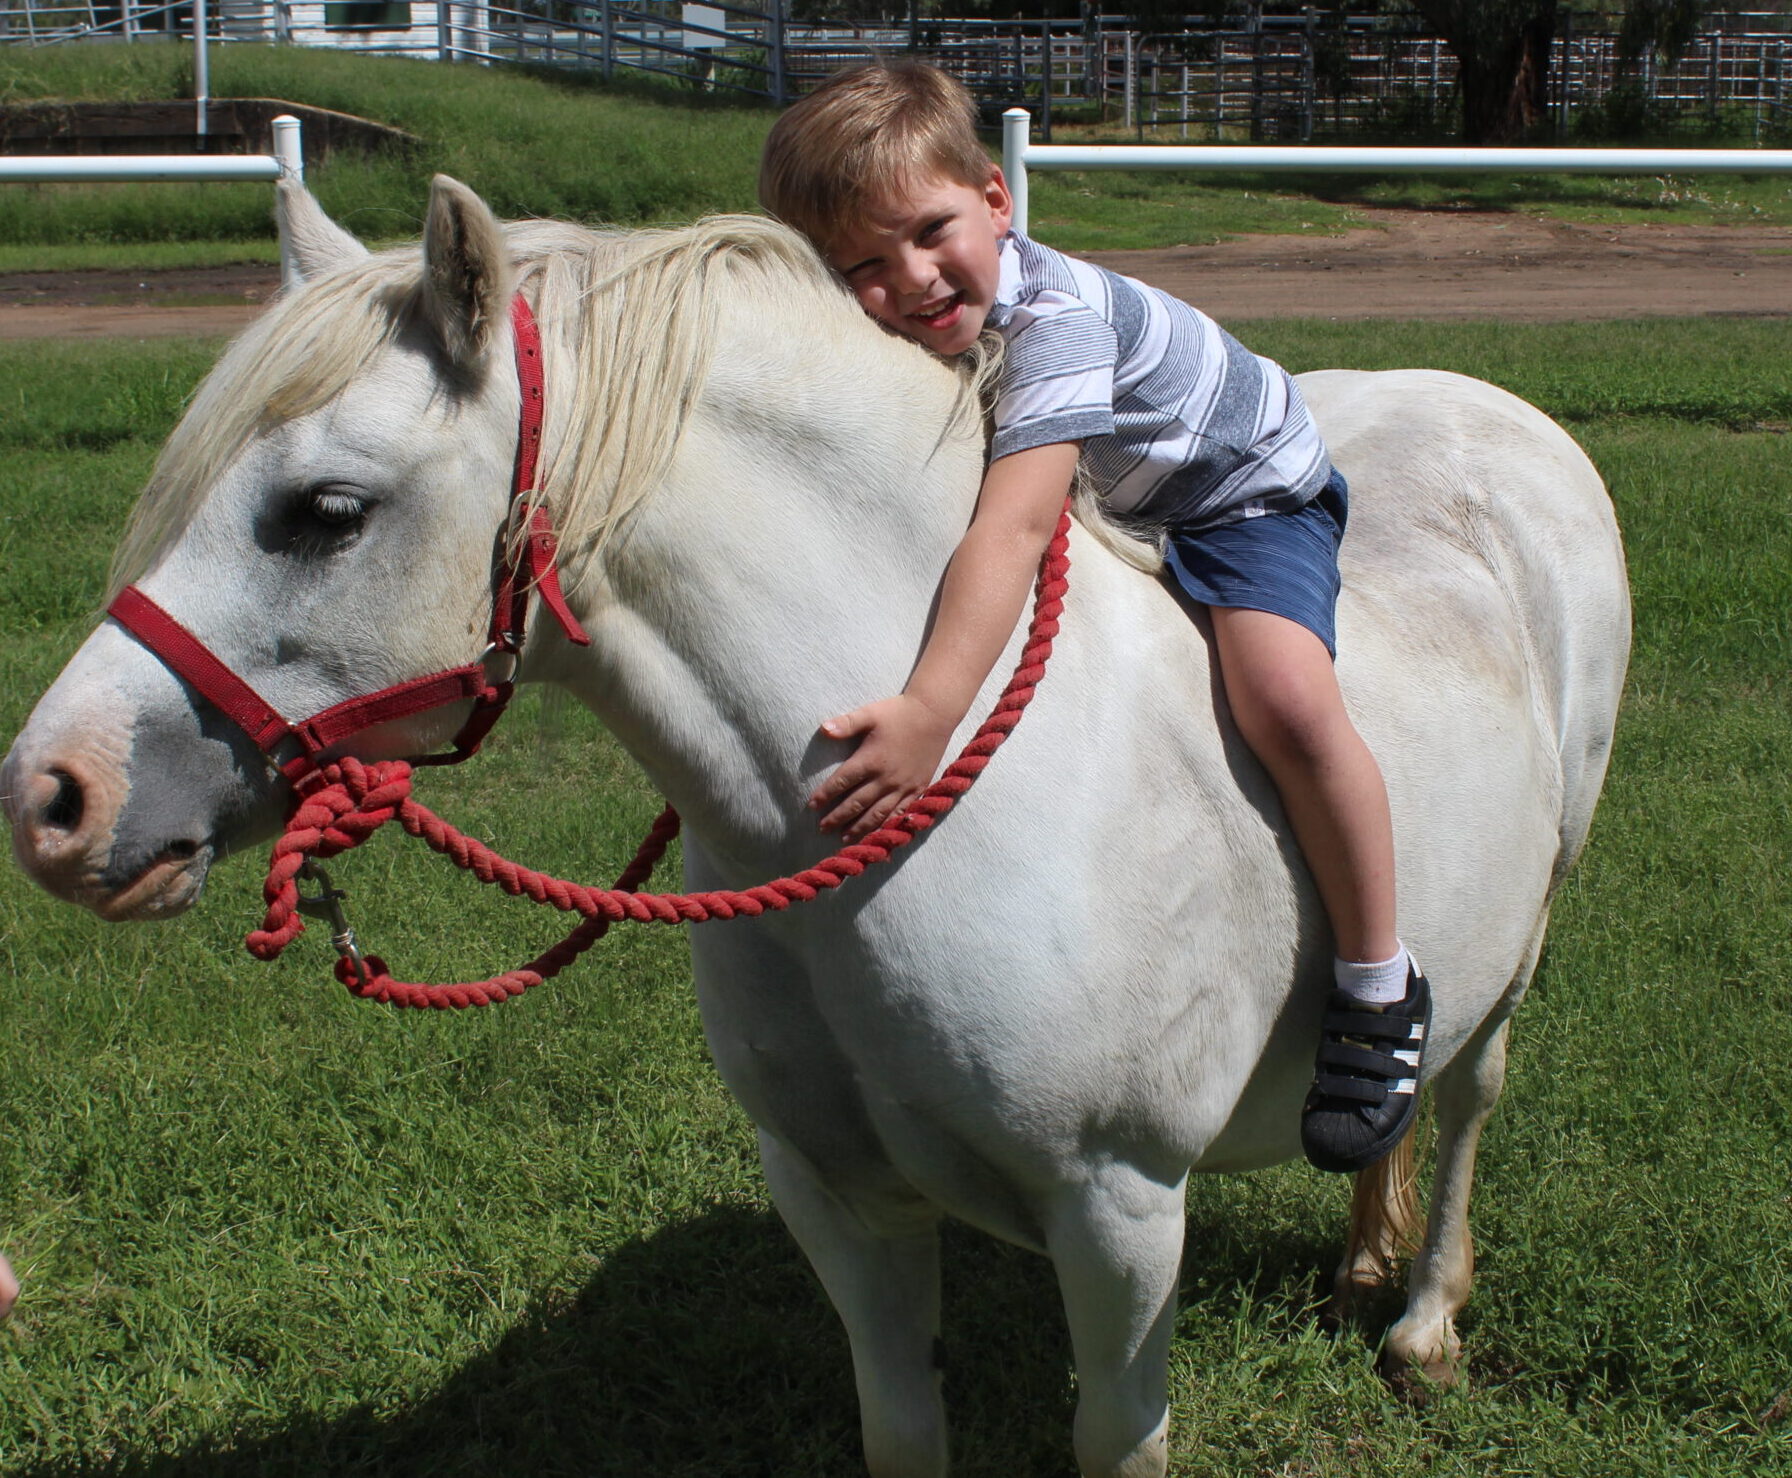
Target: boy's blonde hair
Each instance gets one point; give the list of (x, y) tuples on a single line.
[(867, 136)]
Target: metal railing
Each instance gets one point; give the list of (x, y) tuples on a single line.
[(1020, 155), (287, 161), (51, 25), (1277, 81)]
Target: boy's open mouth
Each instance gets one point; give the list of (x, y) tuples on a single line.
[(943, 316)]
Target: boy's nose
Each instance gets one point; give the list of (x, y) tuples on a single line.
[(913, 274)]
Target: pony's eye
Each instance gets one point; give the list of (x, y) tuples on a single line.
[(314, 522), (336, 508)]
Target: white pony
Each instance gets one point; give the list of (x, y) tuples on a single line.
[(1105, 967)]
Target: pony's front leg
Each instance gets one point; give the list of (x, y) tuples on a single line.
[(885, 1284), (1438, 1285), (1116, 1242)]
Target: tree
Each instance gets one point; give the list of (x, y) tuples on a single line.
[(1502, 53), (1665, 26), (1502, 56)]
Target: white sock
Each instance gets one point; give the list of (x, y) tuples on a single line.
[(1375, 983)]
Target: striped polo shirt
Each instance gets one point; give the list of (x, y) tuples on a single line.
[(1180, 423)]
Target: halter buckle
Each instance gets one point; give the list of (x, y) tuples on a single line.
[(505, 648), (326, 907)]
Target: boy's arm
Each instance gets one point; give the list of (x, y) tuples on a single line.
[(903, 738)]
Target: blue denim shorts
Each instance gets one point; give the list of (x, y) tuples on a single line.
[(1283, 563)]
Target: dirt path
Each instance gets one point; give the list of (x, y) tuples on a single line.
[(1449, 265), (133, 305), (1438, 265)]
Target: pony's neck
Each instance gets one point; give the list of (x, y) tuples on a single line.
[(783, 572)]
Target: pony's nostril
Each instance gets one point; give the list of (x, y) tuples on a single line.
[(181, 850), (64, 809)]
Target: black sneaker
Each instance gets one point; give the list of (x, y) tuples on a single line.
[(1366, 1081)]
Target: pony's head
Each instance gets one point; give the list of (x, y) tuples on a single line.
[(325, 518)]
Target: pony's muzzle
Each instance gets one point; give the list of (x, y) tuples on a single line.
[(63, 816)]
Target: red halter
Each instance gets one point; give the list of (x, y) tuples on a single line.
[(518, 571)]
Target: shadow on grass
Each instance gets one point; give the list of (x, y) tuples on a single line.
[(709, 1349)]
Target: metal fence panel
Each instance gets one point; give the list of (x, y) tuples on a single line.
[(1274, 82)]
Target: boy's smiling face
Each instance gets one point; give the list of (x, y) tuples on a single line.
[(925, 263)]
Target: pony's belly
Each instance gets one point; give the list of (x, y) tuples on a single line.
[(893, 1163), (865, 1105)]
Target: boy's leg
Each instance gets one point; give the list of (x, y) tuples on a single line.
[(1285, 700), (1284, 697)]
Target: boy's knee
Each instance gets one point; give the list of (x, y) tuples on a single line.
[(1277, 742), (1286, 721)]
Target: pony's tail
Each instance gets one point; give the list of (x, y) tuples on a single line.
[(1385, 1228)]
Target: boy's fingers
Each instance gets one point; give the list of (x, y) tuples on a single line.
[(860, 803), (880, 815), (873, 819), (853, 771), (845, 725), (846, 779)]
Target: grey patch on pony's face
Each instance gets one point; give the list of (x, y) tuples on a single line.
[(316, 245), (198, 787), (466, 272)]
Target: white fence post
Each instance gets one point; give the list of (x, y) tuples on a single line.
[(202, 84), (290, 152), (289, 147), (1017, 123)]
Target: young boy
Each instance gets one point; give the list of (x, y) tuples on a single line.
[(1182, 429)]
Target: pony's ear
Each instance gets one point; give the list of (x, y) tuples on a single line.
[(309, 239), (466, 271)]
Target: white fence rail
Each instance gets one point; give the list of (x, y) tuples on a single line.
[(1020, 154), (288, 159)]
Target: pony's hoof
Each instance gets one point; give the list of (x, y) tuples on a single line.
[(1345, 1306), (1362, 1296), (1417, 1381)]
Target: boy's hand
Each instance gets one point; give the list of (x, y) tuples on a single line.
[(901, 739), (897, 758)]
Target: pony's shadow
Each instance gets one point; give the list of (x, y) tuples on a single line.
[(709, 1349)]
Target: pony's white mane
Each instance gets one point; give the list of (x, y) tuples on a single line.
[(628, 324)]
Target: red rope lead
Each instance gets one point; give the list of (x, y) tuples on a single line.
[(344, 803)]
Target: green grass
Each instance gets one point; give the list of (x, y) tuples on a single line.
[(547, 145), (1716, 371), (561, 144), (133, 256), (267, 1230)]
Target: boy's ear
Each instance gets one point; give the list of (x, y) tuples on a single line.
[(1001, 203)]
